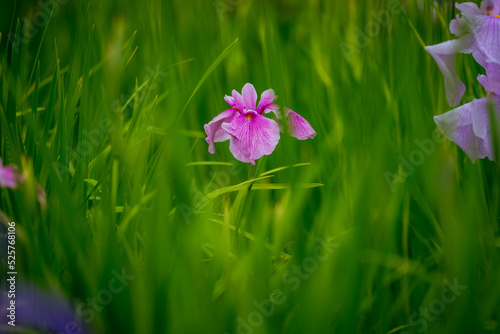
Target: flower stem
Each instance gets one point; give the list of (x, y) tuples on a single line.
[(242, 203)]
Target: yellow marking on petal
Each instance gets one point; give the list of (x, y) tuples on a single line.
[(249, 117), (497, 16)]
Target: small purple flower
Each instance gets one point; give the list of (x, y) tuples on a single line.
[(9, 178), (478, 30), (469, 126), (250, 134)]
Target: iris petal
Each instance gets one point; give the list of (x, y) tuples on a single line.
[(214, 130), (298, 126), (486, 32), (266, 99), (271, 107), (230, 100), (249, 96), (469, 127), (468, 8), (238, 100), (490, 7), (491, 81), (444, 54), (253, 136)]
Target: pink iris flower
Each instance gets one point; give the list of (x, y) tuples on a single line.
[(478, 30), (252, 135), (9, 178)]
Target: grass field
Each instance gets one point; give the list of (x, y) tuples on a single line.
[(377, 225)]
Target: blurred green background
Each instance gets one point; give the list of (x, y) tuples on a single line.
[(377, 225)]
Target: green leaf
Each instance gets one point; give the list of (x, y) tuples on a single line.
[(209, 71)]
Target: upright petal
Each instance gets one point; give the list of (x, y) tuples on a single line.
[(461, 25), (444, 55), (457, 27), (253, 136), (230, 100), (249, 96), (298, 126), (238, 100), (468, 8), (214, 130), (469, 127), (266, 99)]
